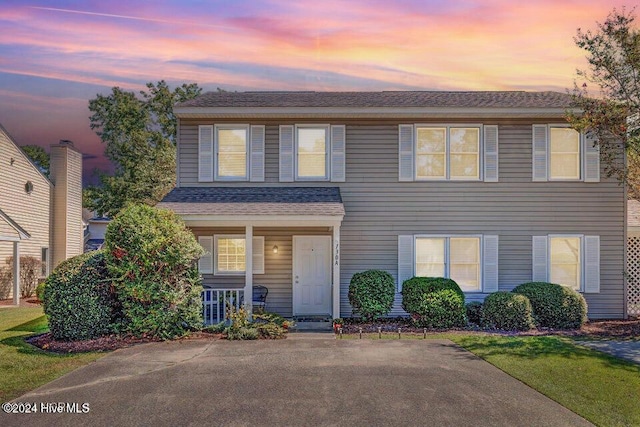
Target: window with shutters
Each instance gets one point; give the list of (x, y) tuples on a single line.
[(447, 152), (456, 257), (312, 152), (571, 260), (230, 254), (231, 152), (564, 153), (561, 153)]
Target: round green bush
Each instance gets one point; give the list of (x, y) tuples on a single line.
[(434, 302), (371, 293), (474, 312), (508, 311), (555, 306), (152, 257), (78, 299)]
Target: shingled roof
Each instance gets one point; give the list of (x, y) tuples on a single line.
[(437, 99), (254, 201)]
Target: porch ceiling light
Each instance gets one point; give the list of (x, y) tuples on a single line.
[(275, 249)]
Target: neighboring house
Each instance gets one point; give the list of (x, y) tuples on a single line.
[(95, 228), (298, 191), (39, 217)]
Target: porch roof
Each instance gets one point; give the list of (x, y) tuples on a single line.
[(267, 201)]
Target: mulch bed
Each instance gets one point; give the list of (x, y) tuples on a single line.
[(106, 343), (24, 302), (616, 329)]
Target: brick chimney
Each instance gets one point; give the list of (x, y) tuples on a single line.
[(66, 202)]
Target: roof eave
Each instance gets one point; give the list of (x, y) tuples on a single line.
[(363, 112)]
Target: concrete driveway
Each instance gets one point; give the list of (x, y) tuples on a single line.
[(298, 381)]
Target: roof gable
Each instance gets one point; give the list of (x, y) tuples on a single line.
[(9, 140)]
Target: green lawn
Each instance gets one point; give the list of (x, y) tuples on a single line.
[(601, 388), (22, 366)]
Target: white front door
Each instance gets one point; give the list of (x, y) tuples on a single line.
[(311, 275)]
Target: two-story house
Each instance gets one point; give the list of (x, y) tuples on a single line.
[(297, 191)]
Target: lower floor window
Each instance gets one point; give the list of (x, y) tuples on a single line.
[(457, 258), (230, 254), (565, 257)]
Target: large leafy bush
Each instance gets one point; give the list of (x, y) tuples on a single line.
[(555, 306), (371, 293), (151, 257), (78, 298), (508, 311), (434, 302)]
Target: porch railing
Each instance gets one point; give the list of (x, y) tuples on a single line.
[(216, 301)]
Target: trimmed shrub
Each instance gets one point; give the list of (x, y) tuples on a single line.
[(508, 311), (474, 312), (434, 302), (78, 298), (554, 306), (371, 293), (151, 257)]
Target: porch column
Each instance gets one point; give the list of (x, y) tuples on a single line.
[(248, 263), (16, 273), (336, 271)]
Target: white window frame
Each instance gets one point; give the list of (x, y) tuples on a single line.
[(581, 156), (581, 260), (218, 272), (447, 254), (216, 160), (448, 127), (327, 151)]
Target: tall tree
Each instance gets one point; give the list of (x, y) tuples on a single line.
[(612, 116), (38, 156), (140, 134)]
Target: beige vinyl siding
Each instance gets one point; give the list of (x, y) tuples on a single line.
[(277, 275), (379, 207), (30, 211)]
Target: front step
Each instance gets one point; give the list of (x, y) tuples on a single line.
[(312, 323)]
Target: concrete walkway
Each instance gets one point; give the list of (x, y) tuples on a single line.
[(628, 350), (298, 381)]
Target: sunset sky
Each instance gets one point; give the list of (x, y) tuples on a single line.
[(56, 55)]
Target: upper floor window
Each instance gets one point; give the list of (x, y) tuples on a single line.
[(231, 152), (448, 152), (560, 153), (311, 152)]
